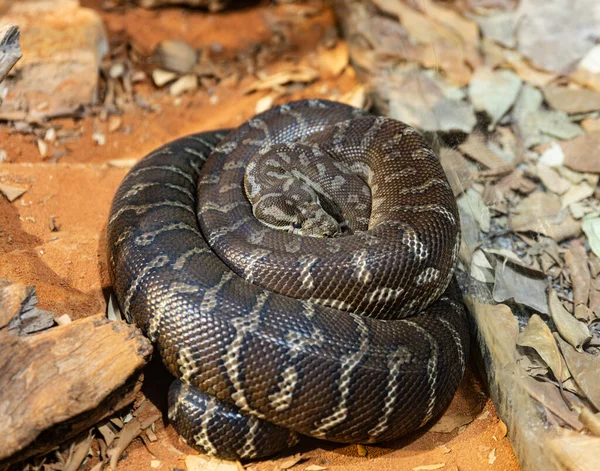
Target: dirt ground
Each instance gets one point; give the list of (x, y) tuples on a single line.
[(53, 237)]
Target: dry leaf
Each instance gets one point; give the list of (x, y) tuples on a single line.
[(481, 269), (551, 179), (543, 213), (577, 263), (291, 461), (576, 452), (549, 396), (591, 227), (524, 285), (207, 463), (471, 203), (570, 329), (456, 169), (476, 148), (572, 100), (333, 61), (577, 193), (589, 419), (582, 153), (501, 429), (584, 368), (276, 80), (572, 31), (537, 335), (448, 423), (494, 92), (314, 467), (356, 97)]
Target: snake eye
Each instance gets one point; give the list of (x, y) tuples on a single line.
[(296, 225)]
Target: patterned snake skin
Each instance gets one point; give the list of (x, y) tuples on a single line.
[(335, 315)]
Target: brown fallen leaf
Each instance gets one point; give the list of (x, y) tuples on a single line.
[(584, 368), (278, 79), (476, 148), (333, 61), (130, 431), (579, 153), (570, 329), (549, 396), (78, 452), (287, 463), (572, 100), (208, 463), (537, 335), (577, 263), (589, 419), (456, 168), (576, 452), (524, 285), (448, 423), (543, 213), (551, 179)]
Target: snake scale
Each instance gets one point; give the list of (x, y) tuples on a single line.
[(296, 275)]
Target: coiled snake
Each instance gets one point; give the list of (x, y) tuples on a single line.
[(335, 315)]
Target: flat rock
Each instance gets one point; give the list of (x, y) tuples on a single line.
[(62, 45)]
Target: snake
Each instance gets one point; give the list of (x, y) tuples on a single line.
[(297, 276)]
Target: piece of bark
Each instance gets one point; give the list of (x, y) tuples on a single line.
[(10, 52), (496, 335), (59, 382)]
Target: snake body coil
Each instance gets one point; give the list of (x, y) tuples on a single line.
[(344, 325)]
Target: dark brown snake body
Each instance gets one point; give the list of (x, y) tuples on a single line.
[(356, 334)]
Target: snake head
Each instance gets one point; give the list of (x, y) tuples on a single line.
[(296, 207)]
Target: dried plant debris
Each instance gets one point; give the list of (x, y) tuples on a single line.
[(520, 142), (18, 311)]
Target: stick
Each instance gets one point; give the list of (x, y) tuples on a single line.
[(10, 51)]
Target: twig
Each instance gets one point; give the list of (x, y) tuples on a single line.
[(10, 51)]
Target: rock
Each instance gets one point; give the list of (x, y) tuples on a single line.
[(176, 56), (62, 46)]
